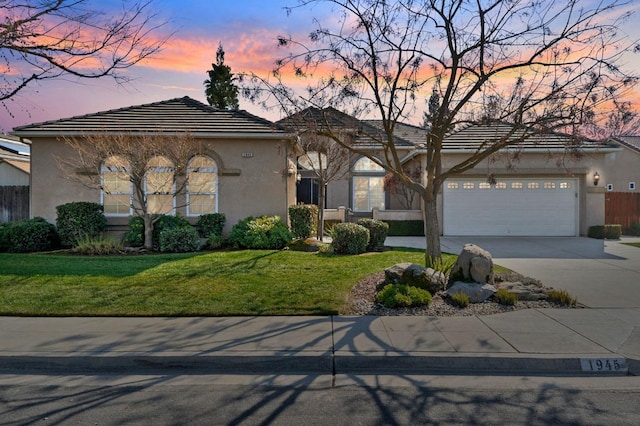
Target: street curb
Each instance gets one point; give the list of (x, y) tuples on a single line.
[(325, 363), (562, 365)]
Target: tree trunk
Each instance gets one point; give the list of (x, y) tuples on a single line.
[(431, 230), (148, 231), (321, 195)]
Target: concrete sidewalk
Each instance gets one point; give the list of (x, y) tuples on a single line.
[(535, 341), (603, 339)]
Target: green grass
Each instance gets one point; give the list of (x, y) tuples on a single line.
[(633, 244), (248, 282)]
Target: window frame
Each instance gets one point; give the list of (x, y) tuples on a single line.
[(105, 194), (214, 171)]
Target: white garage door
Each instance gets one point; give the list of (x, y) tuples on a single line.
[(519, 207)]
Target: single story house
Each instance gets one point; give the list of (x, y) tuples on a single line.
[(15, 169), (246, 167), (541, 191)]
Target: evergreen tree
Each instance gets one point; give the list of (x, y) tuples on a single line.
[(220, 89)]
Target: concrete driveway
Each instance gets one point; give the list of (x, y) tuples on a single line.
[(599, 273)]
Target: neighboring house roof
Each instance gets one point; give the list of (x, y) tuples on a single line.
[(22, 165), (631, 142), (367, 133), (473, 136), (179, 115)]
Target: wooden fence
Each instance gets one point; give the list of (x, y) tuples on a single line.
[(622, 208), (14, 203)]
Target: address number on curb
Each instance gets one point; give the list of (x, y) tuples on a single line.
[(604, 365)]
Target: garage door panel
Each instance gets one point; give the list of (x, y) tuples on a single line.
[(514, 207)]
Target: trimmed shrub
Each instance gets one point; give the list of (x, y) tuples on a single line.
[(378, 232), (405, 228), (211, 224), (635, 229), (4, 237), (503, 297), (349, 238), (179, 240), (31, 235), (610, 232), (304, 220), (393, 296), (78, 220), (97, 246), (262, 233), (135, 236), (460, 300)]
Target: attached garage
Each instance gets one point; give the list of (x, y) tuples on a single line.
[(511, 207)]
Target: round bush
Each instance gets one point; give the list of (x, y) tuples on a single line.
[(304, 220), (211, 224), (378, 232), (79, 220), (179, 240), (393, 296), (135, 236), (31, 235), (262, 233), (349, 238)]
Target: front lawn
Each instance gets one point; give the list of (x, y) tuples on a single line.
[(633, 244), (249, 282)]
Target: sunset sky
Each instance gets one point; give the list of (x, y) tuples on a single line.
[(247, 29)]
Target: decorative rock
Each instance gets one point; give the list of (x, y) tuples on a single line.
[(525, 292), (475, 264), (476, 292), (417, 276), (393, 274)]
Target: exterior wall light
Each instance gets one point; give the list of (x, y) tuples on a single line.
[(596, 179)]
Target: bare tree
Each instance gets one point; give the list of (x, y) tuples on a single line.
[(327, 160), (552, 64), (152, 167), (48, 39), (395, 186)]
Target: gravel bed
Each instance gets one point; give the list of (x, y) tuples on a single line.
[(361, 301)]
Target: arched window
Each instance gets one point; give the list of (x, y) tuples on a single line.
[(159, 186), (368, 185), (202, 192), (116, 187)]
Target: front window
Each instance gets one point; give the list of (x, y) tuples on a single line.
[(368, 185), (116, 187), (202, 175), (159, 186)]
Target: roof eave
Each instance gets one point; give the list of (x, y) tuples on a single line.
[(209, 135)]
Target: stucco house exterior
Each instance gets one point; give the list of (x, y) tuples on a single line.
[(622, 171), (249, 163), (545, 191)]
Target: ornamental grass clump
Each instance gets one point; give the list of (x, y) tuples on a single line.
[(97, 246), (503, 297), (403, 296), (561, 297), (460, 300)]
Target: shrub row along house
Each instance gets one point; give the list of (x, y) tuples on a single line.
[(247, 166)]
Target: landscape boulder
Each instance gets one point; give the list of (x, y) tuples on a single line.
[(474, 263), (476, 292), (417, 276), (527, 292)]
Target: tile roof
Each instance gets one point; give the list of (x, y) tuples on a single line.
[(368, 132), (177, 115), (631, 142), (473, 136)]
